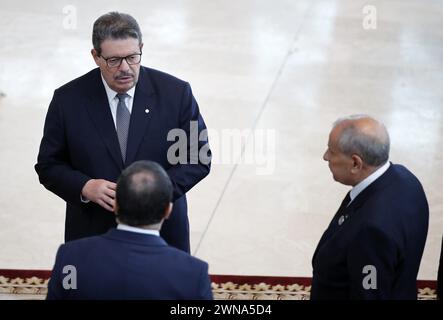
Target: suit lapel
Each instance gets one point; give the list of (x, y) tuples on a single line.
[(100, 113), (333, 226), (143, 109)]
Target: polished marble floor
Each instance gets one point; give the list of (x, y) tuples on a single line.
[(278, 73)]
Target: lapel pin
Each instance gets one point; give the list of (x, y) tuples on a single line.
[(146, 110), (342, 219)]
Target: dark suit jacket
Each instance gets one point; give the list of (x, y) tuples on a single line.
[(386, 228), (127, 265), (80, 143)]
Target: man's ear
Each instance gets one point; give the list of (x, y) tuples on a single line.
[(357, 163), (168, 211), (141, 46), (96, 57)]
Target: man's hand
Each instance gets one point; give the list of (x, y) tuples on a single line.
[(101, 192)]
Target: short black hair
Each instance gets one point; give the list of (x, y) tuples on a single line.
[(143, 194)]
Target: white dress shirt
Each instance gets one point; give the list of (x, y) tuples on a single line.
[(113, 100), (366, 182), (125, 227)]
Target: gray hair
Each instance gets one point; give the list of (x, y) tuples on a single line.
[(114, 25), (373, 147)]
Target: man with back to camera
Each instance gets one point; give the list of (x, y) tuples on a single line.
[(131, 261), (374, 244), (116, 114)]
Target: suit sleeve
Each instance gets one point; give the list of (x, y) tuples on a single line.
[(205, 288), (55, 287), (372, 259), (53, 163), (198, 158)]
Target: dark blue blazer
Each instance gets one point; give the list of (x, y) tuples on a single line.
[(127, 265), (386, 228), (80, 142)]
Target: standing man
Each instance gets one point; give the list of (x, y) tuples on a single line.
[(131, 261), (373, 247), (116, 114)]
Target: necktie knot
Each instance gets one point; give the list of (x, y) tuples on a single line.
[(122, 96)]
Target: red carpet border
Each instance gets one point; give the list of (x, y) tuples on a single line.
[(32, 284)]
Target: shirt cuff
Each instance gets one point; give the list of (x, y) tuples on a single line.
[(84, 200)]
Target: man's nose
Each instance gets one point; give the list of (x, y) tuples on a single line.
[(124, 66), (325, 156)]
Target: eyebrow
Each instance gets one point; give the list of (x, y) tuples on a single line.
[(119, 57)]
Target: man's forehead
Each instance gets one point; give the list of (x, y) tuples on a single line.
[(120, 46)]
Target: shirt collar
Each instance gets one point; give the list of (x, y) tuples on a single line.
[(111, 93), (370, 179), (125, 227)]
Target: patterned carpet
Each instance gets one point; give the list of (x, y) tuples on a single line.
[(32, 284)]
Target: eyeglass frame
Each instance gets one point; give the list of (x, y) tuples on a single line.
[(121, 60)]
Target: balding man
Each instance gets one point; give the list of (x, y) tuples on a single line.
[(373, 245), (131, 261)]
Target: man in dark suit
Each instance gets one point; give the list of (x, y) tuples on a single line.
[(119, 113), (373, 247), (131, 261)]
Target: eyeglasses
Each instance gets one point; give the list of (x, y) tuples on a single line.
[(115, 62)]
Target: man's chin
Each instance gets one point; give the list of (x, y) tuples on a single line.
[(343, 181), (337, 179)]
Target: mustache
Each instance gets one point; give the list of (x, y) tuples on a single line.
[(123, 74)]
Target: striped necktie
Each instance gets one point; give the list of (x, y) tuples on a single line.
[(122, 123)]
